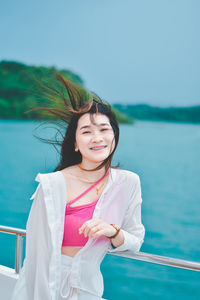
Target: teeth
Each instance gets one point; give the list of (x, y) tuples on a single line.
[(98, 148)]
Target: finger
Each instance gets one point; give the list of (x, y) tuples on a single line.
[(82, 228), (94, 230), (87, 230), (90, 226), (99, 233), (87, 223)]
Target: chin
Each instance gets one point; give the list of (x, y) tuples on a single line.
[(100, 160)]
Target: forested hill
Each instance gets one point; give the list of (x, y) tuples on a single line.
[(19, 92), (19, 89), (152, 113)]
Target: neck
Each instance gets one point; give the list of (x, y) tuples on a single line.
[(91, 175)]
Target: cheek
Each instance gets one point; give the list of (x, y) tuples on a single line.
[(111, 137), (82, 141), (113, 142)]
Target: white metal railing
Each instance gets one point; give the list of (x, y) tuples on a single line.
[(152, 258), (20, 233), (163, 260)]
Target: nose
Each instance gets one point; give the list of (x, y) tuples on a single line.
[(96, 137)]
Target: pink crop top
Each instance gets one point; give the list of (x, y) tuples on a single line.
[(74, 219)]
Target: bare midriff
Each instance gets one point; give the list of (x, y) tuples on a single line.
[(70, 251)]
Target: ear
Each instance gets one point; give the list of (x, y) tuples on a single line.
[(75, 147)]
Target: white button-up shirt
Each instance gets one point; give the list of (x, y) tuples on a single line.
[(119, 203)]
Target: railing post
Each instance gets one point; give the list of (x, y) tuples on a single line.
[(18, 253)]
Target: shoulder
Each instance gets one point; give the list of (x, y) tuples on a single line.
[(40, 176), (51, 186), (42, 179), (49, 179), (129, 178), (55, 179)]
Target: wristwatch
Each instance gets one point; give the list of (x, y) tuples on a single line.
[(118, 230)]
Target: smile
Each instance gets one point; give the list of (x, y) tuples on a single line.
[(98, 148)]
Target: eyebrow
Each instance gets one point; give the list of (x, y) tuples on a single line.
[(102, 124)]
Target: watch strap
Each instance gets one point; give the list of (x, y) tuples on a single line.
[(118, 230)]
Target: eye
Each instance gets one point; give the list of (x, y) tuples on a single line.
[(104, 129), (86, 132)]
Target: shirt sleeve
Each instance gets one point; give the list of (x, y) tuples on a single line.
[(38, 249), (132, 226)]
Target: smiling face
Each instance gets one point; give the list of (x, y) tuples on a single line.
[(95, 140)]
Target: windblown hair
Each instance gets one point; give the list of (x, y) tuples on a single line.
[(69, 105)]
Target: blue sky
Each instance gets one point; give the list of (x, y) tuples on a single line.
[(127, 51)]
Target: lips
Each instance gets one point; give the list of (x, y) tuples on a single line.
[(95, 148)]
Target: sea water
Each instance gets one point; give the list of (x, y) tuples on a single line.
[(165, 156)]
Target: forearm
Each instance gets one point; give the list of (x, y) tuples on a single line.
[(118, 240)]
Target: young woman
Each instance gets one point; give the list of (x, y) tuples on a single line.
[(82, 210)]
